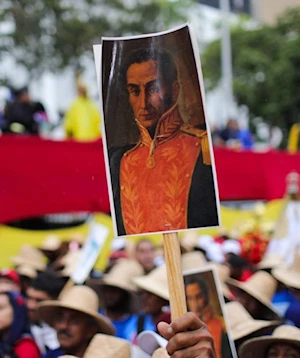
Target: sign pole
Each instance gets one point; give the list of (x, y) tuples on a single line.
[(174, 272)]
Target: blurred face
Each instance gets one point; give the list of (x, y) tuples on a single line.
[(151, 303), (33, 298), (251, 305), (149, 95), (280, 350), (74, 330), (112, 296), (8, 285), (195, 298), (145, 254), (6, 313)]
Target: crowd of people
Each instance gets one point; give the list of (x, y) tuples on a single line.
[(124, 311)]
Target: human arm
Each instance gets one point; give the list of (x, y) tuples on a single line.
[(187, 337)]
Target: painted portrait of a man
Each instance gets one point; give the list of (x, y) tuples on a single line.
[(163, 179)]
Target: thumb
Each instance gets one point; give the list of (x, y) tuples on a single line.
[(165, 330)]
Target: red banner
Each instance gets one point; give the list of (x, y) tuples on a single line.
[(42, 176)]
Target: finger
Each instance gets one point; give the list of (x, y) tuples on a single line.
[(201, 350), (189, 339), (189, 321), (165, 330)]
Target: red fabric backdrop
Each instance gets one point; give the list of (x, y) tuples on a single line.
[(41, 176)]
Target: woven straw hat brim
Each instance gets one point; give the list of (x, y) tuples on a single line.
[(160, 353), (148, 284), (256, 347), (237, 285), (114, 283), (246, 328), (47, 310), (286, 276), (103, 346), (18, 260)]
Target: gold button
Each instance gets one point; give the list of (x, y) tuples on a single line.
[(122, 187), (197, 143), (187, 175)]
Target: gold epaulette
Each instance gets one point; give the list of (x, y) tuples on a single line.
[(202, 135)]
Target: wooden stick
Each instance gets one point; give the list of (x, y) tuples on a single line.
[(175, 278)]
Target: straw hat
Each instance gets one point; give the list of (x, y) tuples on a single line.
[(30, 256), (189, 241), (103, 346), (192, 260), (122, 274), (270, 261), (256, 347), (78, 298), (160, 353), (27, 271), (155, 282), (241, 322), (51, 243), (261, 286), (289, 275)]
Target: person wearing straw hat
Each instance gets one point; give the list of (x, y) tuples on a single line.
[(154, 299), (290, 276), (243, 326), (197, 298), (74, 316), (186, 336), (256, 295), (118, 294), (30, 256), (284, 343), (46, 286)]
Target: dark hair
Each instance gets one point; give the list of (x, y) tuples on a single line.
[(237, 261), (48, 282), (165, 62), (190, 280)]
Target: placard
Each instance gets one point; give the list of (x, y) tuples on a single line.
[(159, 159)]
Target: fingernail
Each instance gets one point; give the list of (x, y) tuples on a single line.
[(170, 330)]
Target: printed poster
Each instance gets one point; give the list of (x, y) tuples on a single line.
[(157, 143)]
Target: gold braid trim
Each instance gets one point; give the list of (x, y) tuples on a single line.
[(201, 134)]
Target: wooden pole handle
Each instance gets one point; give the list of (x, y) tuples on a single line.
[(175, 278)]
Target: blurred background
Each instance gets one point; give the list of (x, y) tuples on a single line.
[(50, 178)]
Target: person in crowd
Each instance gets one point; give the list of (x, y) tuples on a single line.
[(75, 318), (294, 133), (197, 297), (145, 254), (118, 294), (9, 281), (240, 269), (290, 277), (168, 151), (82, 120), (15, 339), (27, 274), (243, 326), (283, 343), (256, 295), (154, 299), (46, 286), (22, 115)]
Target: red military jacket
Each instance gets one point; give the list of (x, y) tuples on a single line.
[(156, 175)]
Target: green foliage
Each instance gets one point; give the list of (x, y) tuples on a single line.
[(266, 64), (53, 34)]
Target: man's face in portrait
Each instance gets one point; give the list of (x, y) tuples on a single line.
[(149, 94), (196, 299)]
